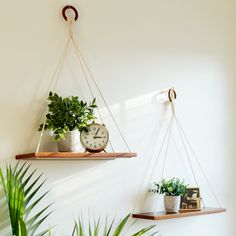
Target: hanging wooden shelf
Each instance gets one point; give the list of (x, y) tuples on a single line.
[(75, 155), (162, 215)]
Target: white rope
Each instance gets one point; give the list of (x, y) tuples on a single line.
[(199, 164), (166, 153), (42, 107), (186, 152), (41, 135), (52, 86), (185, 148), (88, 83), (188, 158), (155, 164), (100, 93), (164, 163)]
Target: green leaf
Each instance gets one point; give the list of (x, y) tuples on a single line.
[(37, 224), (110, 228), (120, 227), (22, 228), (145, 230), (33, 219), (29, 208)]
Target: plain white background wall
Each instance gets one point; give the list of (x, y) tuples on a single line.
[(135, 48)]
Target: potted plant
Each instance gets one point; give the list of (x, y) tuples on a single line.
[(21, 194), (172, 189), (66, 118)]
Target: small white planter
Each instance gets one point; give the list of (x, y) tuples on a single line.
[(172, 203), (71, 143)]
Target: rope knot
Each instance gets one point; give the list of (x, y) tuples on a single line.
[(71, 22)]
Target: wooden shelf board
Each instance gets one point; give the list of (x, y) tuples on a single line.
[(75, 155), (164, 216)]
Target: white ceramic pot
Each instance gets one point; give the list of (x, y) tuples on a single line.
[(71, 143), (172, 203)]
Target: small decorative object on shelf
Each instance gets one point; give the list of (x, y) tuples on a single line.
[(66, 118), (173, 190), (191, 201), (96, 138)]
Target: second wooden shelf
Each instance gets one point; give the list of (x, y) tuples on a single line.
[(164, 216)]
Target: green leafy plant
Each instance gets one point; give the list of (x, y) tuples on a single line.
[(108, 229), (67, 114), (21, 189), (172, 187)]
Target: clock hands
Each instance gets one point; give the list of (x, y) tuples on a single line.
[(96, 132), (95, 136)]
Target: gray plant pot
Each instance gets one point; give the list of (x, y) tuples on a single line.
[(71, 143), (172, 203)]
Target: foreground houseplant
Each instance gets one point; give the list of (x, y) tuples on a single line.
[(108, 229), (21, 188), (66, 117), (172, 189)]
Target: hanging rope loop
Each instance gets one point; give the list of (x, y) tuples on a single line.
[(172, 94), (70, 27), (69, 7)]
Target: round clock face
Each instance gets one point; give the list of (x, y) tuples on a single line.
[(96, 138)]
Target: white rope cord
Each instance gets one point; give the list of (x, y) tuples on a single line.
[(88, 83), (185, 148), (188, 158), (99, 91), (58, 68), (52, 87), (155, 164), (165, 159), (42, 107), (70, 32), (87, 80), (199, 164), (41, 135), (186, 152), (167, 148)]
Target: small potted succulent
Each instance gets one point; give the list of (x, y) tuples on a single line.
[(66, 118), (172, 189)]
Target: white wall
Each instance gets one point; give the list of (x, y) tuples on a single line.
[(135, 48)]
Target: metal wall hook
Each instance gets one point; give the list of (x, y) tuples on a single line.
[(69, 7)]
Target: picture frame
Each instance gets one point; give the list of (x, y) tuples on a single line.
[(192, 200)]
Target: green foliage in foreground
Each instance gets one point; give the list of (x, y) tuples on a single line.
[(67, 114), (21, 190), (108, 229), (172, 187)]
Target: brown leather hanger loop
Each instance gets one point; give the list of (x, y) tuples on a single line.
[(69, 7), (172, 95)]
